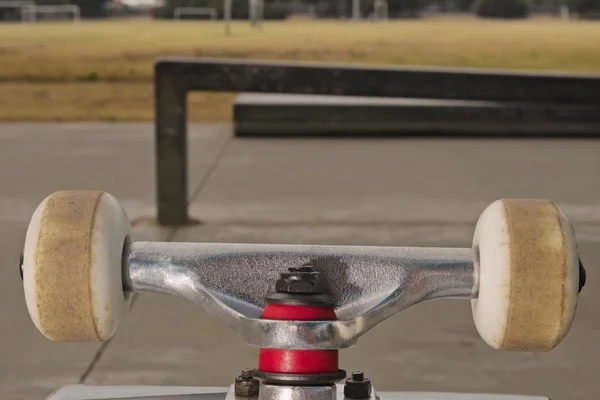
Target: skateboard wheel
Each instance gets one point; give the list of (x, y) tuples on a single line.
[(527, 268), (72, 266)]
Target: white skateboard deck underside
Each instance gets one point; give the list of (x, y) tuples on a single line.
[(84, 392)]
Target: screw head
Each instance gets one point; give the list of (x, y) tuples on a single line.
[(357, 386), (246, 373), (358, 376)]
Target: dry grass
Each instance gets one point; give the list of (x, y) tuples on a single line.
[(86, 56), (102, 101)]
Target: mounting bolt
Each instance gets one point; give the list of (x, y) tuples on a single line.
[(246, 385), (357, 386)]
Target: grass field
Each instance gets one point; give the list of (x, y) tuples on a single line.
[(103, 70)]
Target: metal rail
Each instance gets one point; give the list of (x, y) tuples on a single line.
[(174, 78)]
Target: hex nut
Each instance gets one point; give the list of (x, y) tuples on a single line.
[(357, 386), (300, 280), (245, 385)]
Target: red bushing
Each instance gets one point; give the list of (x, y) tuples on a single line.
[(298, 361)]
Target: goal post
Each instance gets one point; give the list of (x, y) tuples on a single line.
[(197, 11), (17, 5), (380, 10), (256, 12), (31, 12)]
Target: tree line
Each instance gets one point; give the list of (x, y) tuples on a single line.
[(240, 9), (277, 9), (89, 8), (280, 9)]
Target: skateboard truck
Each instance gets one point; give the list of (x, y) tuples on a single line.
[(234, 283), (522, 276)]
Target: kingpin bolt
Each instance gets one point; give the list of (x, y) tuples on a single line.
[(303, 280)]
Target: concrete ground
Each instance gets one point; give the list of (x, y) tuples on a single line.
[(421, 192)]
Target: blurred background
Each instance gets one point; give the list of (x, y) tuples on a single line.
[(76, 112)]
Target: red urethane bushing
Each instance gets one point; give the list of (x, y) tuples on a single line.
[(298, 361)]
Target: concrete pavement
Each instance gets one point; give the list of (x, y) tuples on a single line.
[(36, 160), (422, 192)]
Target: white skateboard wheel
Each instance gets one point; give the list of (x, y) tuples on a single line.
[(527, 265), (72, 266)]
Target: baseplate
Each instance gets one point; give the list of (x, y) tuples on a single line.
[(86, 392)]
